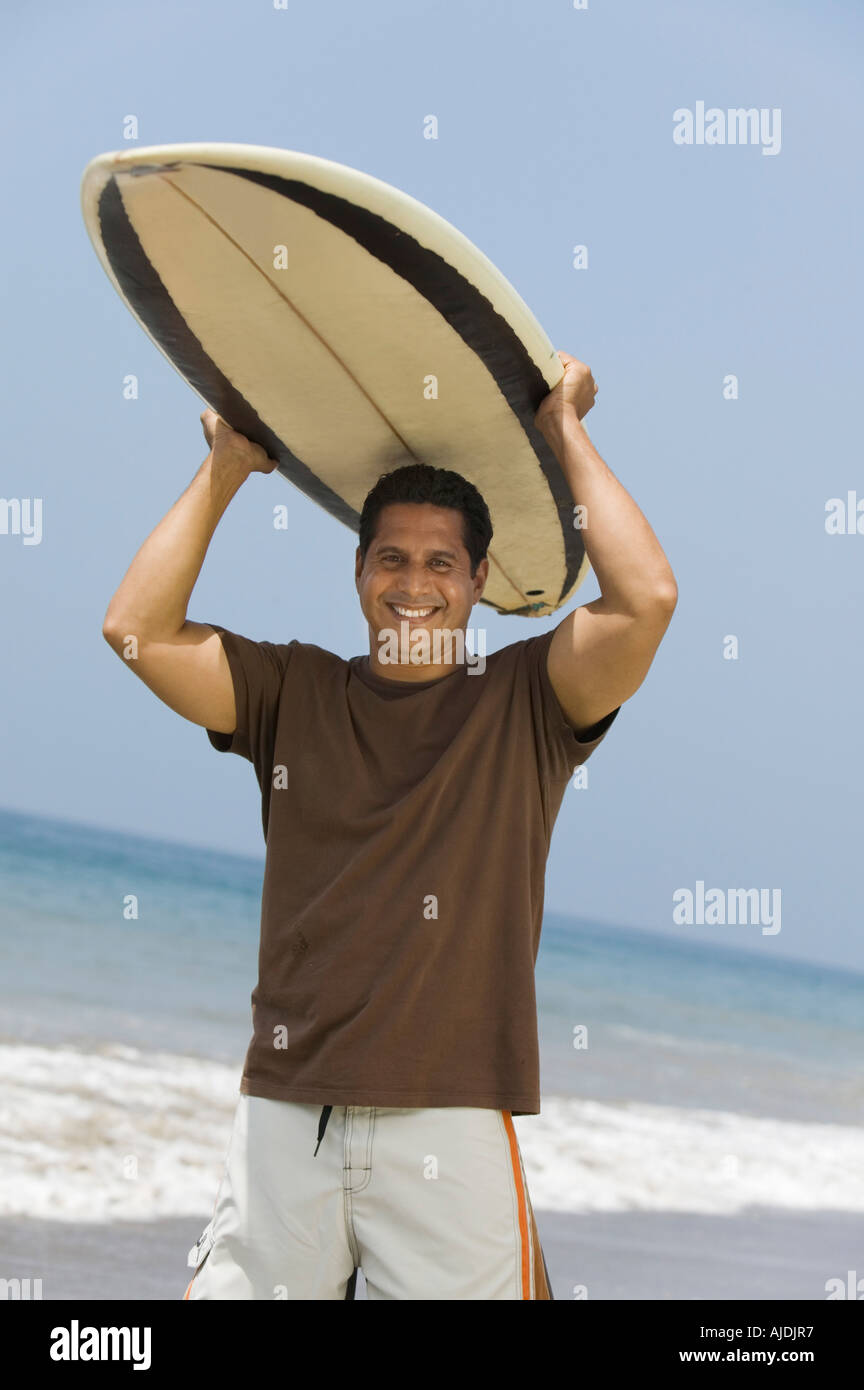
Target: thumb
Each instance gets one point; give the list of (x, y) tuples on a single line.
[(208, 419)]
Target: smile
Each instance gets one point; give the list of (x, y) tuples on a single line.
[(418, 614)]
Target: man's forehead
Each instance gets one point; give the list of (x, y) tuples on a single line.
[(404, 523)]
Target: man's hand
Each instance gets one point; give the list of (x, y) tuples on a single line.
[(225, 443), (576, 390)]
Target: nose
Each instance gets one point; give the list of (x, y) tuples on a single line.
[(414, 585)]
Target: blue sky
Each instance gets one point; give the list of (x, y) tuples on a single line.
[(555, 128)]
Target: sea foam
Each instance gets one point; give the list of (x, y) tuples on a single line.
[(115, 1133)]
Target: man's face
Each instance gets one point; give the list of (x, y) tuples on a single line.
[(418, 571)]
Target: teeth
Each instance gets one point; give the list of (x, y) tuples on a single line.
[(412, 612)]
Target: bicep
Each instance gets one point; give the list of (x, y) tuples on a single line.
[(189, 673), (598, 658)]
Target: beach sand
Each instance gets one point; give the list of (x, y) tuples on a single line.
[(762, 1254)]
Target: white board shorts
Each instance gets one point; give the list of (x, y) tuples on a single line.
[(430, 1204)]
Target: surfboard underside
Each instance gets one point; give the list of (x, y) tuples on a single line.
[(348, 330)]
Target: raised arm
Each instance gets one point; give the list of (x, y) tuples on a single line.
[(601, 652), (183, 662)]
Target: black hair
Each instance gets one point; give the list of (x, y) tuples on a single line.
[(420, 482)]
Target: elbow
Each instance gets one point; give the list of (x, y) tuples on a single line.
[(656, 604), (113, 630), (666, 596)]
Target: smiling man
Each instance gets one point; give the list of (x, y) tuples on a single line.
[(407, 812), (413, 534)]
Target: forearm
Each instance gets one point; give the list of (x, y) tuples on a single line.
[(154, 594), (628, 560)]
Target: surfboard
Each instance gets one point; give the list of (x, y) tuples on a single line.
[(346, 328)]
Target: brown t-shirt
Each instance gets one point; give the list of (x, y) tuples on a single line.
[(407, 828)]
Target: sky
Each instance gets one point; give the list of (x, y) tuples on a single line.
[(705, 262)]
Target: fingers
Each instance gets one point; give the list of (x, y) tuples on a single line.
[(220, 435), (263, 461)]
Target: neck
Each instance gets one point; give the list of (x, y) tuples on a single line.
[(419, 654)]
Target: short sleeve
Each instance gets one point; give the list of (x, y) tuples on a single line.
[(558, 745), (257, 672)]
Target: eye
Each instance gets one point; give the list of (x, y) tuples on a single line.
[(439, 561)]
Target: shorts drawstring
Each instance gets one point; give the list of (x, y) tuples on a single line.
[(322, 1125)]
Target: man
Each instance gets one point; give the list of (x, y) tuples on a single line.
[(407, 811)]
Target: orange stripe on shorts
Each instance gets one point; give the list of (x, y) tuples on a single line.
[(520, 1198)]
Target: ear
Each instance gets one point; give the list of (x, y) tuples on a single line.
[(358, 565), (480, 579)]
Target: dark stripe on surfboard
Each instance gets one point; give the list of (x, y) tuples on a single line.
[(148, 296), (486, 332)]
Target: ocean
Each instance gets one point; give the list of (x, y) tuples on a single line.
[(703, 1079)]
